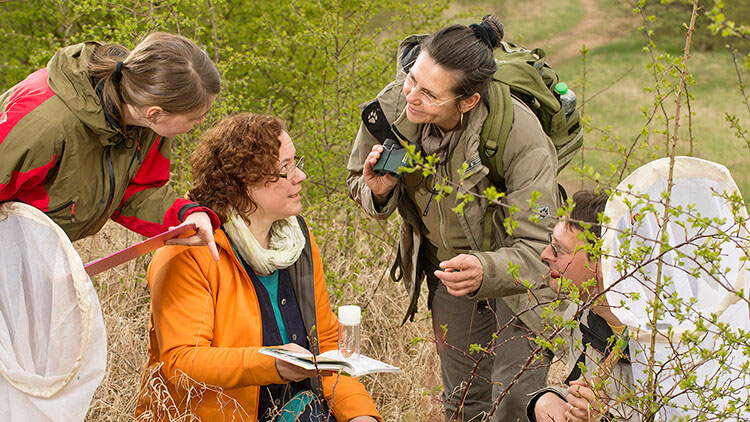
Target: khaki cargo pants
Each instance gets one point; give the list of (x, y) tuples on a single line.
[(467, 322)]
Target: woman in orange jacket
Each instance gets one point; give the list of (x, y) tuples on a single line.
[(209, 319)]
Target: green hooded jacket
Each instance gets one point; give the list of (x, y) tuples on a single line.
[(62, 155)]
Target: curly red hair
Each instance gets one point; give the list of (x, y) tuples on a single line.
[(237, 153)]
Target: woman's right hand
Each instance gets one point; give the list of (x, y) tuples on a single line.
[(292, 372), (381, 186)]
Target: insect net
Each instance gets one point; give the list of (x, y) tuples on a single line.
[(52, 338), (684, 292)]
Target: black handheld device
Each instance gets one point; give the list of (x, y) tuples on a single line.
[(391, 159)]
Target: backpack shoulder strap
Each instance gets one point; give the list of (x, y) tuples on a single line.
[(495, 131), (492, 139)]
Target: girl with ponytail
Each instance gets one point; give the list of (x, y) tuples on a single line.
[(88, 137)]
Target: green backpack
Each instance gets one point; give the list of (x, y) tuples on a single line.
[(520, 72), (526, 75)]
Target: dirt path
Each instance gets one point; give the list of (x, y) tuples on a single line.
[(594, 30)]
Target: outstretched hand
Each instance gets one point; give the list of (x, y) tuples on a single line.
[(204, 234), (461, 274), (380, 186)]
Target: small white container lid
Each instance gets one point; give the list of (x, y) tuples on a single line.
[(350, 315)]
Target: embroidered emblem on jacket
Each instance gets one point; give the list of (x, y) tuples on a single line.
[(542, 211)]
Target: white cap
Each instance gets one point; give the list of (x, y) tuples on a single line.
[(350, 315)]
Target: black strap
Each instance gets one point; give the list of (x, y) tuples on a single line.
[(576, 372), (563, 193), (376, 123), (397, 269), (597, 333), (600, 336)]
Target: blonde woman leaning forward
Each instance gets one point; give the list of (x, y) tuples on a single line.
[(86, 139)]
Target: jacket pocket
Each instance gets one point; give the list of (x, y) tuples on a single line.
[(65, 213)]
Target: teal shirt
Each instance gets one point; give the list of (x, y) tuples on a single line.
[(271, 283)]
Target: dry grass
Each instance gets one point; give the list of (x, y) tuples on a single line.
[(124, 297), (412, 396)]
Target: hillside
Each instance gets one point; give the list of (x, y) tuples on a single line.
[(313, 62)]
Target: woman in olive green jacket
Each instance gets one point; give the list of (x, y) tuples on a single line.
[(87, 138)]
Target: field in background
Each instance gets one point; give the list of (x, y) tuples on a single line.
[(618, 107), (617, 73), (364, 280), (523, 21)]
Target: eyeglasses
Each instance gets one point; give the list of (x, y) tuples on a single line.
[(289, 170), (557, 250), (425, 96)]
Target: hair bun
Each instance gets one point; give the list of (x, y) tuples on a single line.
[(492, 32)]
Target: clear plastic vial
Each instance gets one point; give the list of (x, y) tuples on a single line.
[(350, 317), (567, 98)]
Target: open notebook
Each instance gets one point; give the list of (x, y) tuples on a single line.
[(330, 361)]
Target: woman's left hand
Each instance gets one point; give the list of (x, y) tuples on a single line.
[(363, 419), (204, 234), (585, 405)]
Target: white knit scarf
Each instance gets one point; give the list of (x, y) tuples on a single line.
[(286, 244)]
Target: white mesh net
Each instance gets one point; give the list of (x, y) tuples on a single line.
[(52, 338), (696, 366)]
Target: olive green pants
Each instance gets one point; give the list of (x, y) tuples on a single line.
[(459, 322)]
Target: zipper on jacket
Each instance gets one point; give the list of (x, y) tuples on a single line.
[(107, 158), (72, 206), (471, 171), (138, 151), (104, 181), (107, 153), (432, 191), (440, 211), (111, 172), (429, 202)]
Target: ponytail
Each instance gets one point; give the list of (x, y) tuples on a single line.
[(164, 70), (106, 67)]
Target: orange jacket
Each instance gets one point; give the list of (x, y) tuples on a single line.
[(206, 325)]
